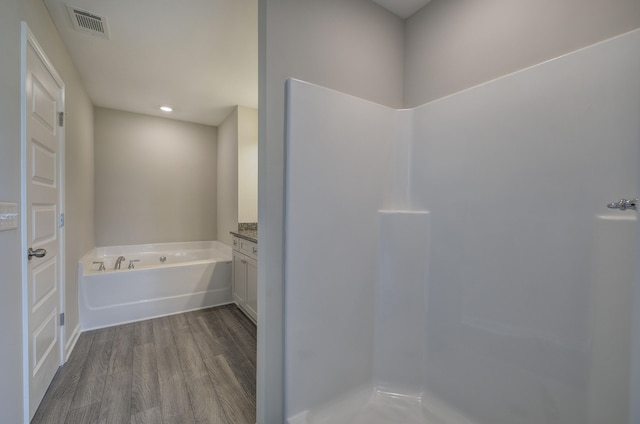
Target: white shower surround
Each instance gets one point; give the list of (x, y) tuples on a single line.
[(458, 253), (193, 275)]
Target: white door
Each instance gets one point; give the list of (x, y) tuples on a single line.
[(42, 178)]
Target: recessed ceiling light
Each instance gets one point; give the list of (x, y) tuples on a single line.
[(166, 109)]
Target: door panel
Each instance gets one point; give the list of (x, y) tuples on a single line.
[(44, 340), (43, 221), (43, 106), (44, 165), (44, 279)]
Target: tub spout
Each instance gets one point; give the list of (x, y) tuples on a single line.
[(119, 261)]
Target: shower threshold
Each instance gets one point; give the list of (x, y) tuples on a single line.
[(379, 406)]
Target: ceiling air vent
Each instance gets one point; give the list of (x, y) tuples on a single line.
[(88, 22)]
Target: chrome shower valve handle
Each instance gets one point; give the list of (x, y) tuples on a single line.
[(624, 204)]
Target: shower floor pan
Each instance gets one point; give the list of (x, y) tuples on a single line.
[(377, 406)]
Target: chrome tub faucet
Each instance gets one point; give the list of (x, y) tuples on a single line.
[(119, 262)]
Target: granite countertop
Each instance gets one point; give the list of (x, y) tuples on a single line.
[(251, 235)]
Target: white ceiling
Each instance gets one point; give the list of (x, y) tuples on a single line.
[(198, 56), (402, 8)]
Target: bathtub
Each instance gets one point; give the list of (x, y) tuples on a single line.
[(166, 278)]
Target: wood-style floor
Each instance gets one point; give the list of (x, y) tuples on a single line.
[(196, 367)]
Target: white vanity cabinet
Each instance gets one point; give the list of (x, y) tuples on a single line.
[(245, 276)]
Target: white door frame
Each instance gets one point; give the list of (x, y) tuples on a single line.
[(27, 38)]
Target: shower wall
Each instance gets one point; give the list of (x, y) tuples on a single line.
[(338, 175), (351, 45), (516, 173), (526, 296)]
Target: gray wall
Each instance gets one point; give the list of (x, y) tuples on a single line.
[(451, 45), (247, 164), (10, 256), (79, 187), (228, 177), (237, 171), (353, 46), (155, 179)]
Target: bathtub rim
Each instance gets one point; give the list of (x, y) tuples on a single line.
[(85, 262)]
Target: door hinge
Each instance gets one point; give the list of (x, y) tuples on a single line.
[(61, 119), (62, 319), (61, 222)]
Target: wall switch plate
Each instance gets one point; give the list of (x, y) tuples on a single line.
[(8, 216)]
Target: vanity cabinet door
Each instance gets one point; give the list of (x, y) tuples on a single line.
[(245, 276), (239, 279), (252, 289)]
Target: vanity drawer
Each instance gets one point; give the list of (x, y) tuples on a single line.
[(247, 247)]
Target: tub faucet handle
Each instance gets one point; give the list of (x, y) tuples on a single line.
[(131, 261), (101, 267)]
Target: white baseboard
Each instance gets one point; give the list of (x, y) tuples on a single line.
[(71, 343)]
